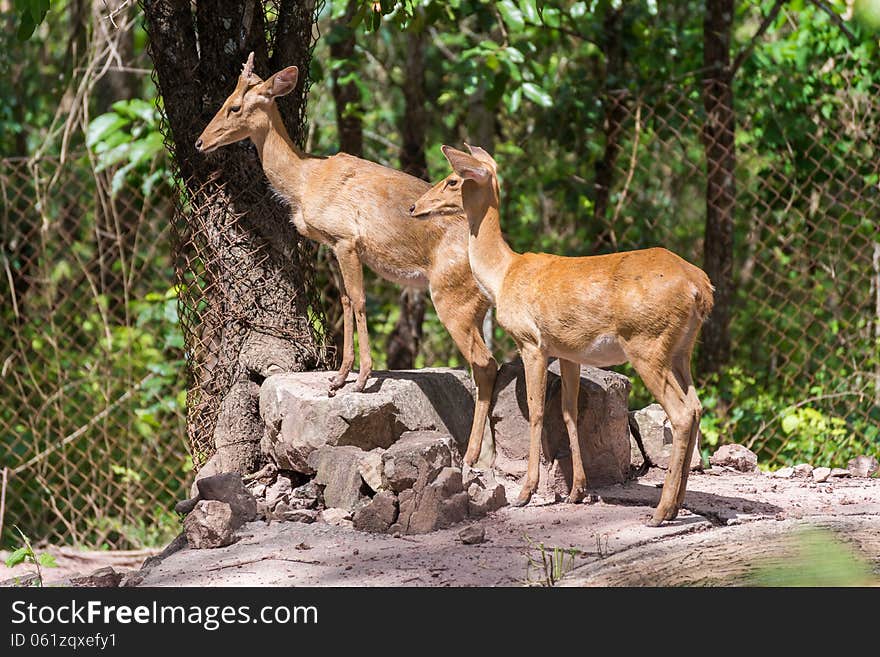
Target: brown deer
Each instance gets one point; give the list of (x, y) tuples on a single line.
[(645, 307), (360, 210)]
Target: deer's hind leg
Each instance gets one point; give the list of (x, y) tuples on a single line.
[(656, 367)]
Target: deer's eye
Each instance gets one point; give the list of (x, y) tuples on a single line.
[(453, 183), (235, 108)]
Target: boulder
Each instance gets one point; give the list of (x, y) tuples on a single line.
[(378, 515), (438, 505), (209, 525), (602, 426), (228, 488), (334, 516), (279, 491), (656, 432), (338, 471), (736, 457), (418, 456), (300, 417), (284, 512), (307, 496), (863, 466)]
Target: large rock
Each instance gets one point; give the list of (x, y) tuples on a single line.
[(418, 457), (602, 426), (656, 432), (209, 525), (301, 418), (338, 471), (228, 488)]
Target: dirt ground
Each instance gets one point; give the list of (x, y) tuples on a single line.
[(732, 522)]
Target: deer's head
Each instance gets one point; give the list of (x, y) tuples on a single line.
[(473, 182), (246, 110)]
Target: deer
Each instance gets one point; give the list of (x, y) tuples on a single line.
[(645, 307), (360, 210)]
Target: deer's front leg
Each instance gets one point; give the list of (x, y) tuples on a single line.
[(535, 365), (338, 380), (353, 277), (571, 381)]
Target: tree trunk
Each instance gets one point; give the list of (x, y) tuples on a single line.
[(245, 297), (718, 140), (346, 94), (615, 114), (404, 340)]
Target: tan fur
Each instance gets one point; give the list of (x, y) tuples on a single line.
[(645, 307), (361, 211)]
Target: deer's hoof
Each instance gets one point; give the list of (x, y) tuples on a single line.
[(576, 496), (523, 498)]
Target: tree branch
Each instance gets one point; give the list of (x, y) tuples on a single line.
[(835, 18), (765, 24)]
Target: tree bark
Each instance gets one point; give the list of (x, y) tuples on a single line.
[(718, 140), (245, 283), (615, 114), (405, 338)]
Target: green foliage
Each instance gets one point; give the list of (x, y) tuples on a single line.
[(129, 140), (551, 564), (31, 14), (26, 554)]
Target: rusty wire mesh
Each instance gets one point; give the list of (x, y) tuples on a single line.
[(92, 422), (803, 380)]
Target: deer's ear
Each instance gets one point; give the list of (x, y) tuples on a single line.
[(282, 83), (482, 156), (466, 166)]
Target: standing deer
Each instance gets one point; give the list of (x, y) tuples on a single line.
[(645, 307), (360, 209)]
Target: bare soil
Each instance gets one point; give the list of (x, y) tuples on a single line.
[(732, 521)]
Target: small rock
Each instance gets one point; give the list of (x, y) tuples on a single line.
[(378, 515), (307, 496), (735, 456), (821, 474), (472, 535), (298, 515), (784, 473), (440, 504), (863, 466), (485, 495), (228, 488), (840, 472), (279, 491), (803, 470), (209, 525), (102, 578), (370, 469), (185, 506), (335, 516), (132, 578)]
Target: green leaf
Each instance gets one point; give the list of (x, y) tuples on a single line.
[(102, 126), (511, 14), (47, 560), (17, 557), (537, 95)]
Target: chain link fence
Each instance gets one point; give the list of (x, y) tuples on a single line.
[(91, 358)]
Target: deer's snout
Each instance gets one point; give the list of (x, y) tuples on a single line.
[(199, 144), (412, 208)]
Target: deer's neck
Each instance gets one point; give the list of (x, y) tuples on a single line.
[(489, 254), (282, 160)]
